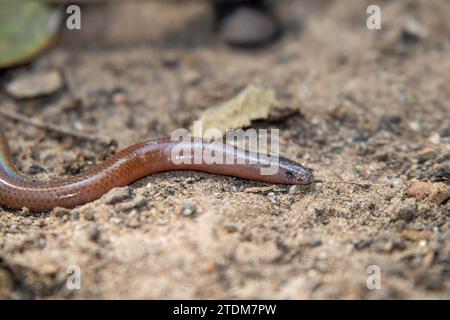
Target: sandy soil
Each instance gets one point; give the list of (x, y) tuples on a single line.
[(374, 109)]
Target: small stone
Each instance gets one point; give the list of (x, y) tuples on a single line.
[(74, 215), (436, 193), (248, 27), (35, 85), (382, 155), (419, 190), (233, 227), (89, 215), (189, 180), (389, 195), (423, 208), (394, 182), (315, 241), (137, 202), (413, 32), (293, 189), (25, 211), (406, 209), (93, 233), (117, 221), (272, 197), (360, 170), (415, 126), (117, 195), (425, 155), (435, 138), (60, 212), (439, 193), (188, 209), (445, 133)]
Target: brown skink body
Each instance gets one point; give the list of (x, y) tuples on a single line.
[(131, 164)]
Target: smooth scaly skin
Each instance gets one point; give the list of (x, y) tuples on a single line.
[(131, 164)]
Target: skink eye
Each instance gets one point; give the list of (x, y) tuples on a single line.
[(289, 174)]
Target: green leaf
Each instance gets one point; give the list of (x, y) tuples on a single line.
[(26, 28)]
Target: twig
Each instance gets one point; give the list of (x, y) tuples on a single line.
[(363, 185), (264, 189), (52, 127)]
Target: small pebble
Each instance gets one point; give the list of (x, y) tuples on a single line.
[(60, 212), (415, 126), (413, 31), (425, 155), (419, 190), (406, 209), (188, 209), (394, 182), (233, 227), (117, 195), (35, 85), (436, 193), (137, 202), (315, 241), (435, 138), (445, 133), (293, 189), (248, 27), (272, 197), (423, 208), (89, 215), (93, 233), (74, 215)]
